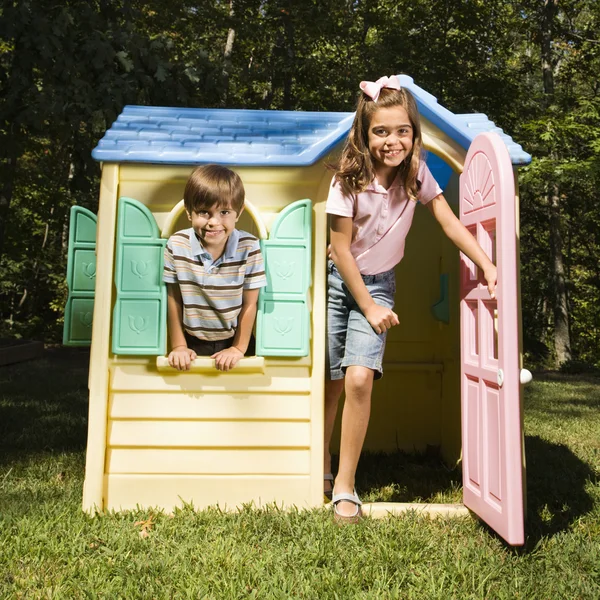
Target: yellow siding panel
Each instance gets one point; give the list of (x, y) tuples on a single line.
[(269, 188), (213, 434), (126, 492), (139, 378), (209, 406), (208, 462)]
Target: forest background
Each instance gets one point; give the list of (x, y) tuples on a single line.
[(68, 67)]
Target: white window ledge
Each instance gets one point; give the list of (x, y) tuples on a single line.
[(252, 364)]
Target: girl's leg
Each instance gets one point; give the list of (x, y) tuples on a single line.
[(333, 391), (337, 327), (355, 419)]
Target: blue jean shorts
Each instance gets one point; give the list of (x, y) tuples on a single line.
[(351, 339)]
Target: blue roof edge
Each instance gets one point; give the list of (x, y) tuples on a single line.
[(462, 128)]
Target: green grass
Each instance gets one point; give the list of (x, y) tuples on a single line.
[(50, 549)]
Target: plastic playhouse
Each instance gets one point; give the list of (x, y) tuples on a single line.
[(159, 437)]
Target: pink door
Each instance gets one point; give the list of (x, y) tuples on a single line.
[(493, 467)]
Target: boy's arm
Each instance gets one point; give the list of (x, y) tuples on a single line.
[(246, 320), (180, 355), (175, 316), (463, 240), (228, 358), (379, 317)]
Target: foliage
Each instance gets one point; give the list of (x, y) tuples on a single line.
[(562, 135), (68, 68)]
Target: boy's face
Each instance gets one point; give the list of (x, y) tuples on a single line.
[(214, 225)]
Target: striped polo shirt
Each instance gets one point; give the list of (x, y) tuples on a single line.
[(212, 290)]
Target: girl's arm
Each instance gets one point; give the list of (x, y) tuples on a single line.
[(228, 358), (180, 356), (463, 240), (379, 317)]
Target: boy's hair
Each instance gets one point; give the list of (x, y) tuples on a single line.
[(355, 169), (211, 185)]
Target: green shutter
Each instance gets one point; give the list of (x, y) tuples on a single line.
[(283, 323), (81, 277), (140, 314)]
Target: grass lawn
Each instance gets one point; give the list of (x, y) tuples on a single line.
[(50, 549)]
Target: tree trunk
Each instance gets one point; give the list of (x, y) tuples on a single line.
[(227, 56), (290, 51), (562, 338)]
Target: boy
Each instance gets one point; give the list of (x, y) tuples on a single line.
[(213, 272)]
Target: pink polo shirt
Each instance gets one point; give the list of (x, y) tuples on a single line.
[(381, 219)]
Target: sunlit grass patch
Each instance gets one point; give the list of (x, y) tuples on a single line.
[(50, 549)]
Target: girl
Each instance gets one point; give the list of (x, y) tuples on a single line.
[(373, 196)]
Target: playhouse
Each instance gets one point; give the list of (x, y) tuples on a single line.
[(159, 437)]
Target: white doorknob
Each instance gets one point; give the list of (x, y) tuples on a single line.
[(525, 376)]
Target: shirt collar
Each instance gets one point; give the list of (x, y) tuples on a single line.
[(232, 244), (230, 248), (375, 186), (195, 245)]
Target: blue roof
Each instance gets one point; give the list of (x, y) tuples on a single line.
[(226, 136), (261, 137)]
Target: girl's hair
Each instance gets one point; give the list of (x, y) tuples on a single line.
[(211, 185), (355, 169)]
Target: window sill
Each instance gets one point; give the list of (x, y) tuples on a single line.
[(252, 364)]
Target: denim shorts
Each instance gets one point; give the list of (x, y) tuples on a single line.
[(351, 339)]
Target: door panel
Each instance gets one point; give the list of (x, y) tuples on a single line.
[(493, 485)]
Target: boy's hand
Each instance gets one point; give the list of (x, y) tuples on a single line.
[(181, 358), (381, 318), (228, 358), (491, 277)]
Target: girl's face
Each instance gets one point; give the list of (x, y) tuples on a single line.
[(390, 138)]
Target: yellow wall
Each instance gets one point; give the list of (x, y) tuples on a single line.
[(159, 437)]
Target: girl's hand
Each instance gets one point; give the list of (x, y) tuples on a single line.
[(491, 276), (381, 318), (228, 358), (181, 357)]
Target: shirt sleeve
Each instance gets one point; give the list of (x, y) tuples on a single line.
[(169, 273), (429, 186), (255, 269), (337, 203)]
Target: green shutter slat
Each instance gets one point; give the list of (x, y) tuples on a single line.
[(283, 322), (140, 313), (81, 277)]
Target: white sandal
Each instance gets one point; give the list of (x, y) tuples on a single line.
[(346, 496)]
